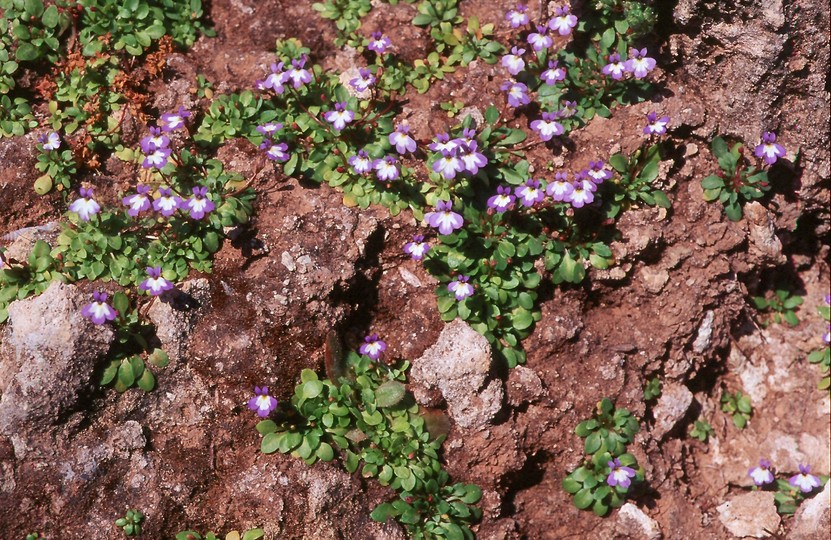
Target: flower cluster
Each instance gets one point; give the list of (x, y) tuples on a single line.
[(638, 65), (167, 202), (85, 207), (281, 74), (562, 23), (762, 475), (459, 155), (156, 145), (275, 151)]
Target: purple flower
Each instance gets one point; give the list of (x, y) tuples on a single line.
[(615, 68), (400, 138), (372, 347), (619, 475), (275, 151), (444, 219), (770, 150), (503, 200), (448, 164), (85, 207), (386, 170), (553, 74), (199, 204), (379, 43), (156, 158), (569, 109), (276, 79), (155, 284), (513, 62), (563, 21), (639, 64), (154, 141), (826, 337), (517, 16), (761, 475), (99, 311), (50, 141), (530, 193), (298, 74), (655, 125), (171, 121), (548, 127), (262, 402), (417, 248), (442, 143), (363, 81), (460, 287), (805, 481), (560, 189), (582, 193), (517, 93), (270, 128), (138, 202), (340, 116), (540, 40), (361, 163), (471, 158), (598, 172), (166, 203)]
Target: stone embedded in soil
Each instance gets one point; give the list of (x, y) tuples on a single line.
[(458, 366), (524, 386), (48, 354), (812, 520), (26, 237), (764, 248), (633, 523), (672, 406), (750, 514), (176, 313)]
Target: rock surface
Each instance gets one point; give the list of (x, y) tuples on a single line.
[(47, 356), (673, 404), (176, 313), (633, 523), (750, 514), (812, 520), (458, 366)]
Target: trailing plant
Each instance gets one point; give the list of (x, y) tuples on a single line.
[(702, 430), (250, 534), (780, 307), (737, 405), (131, 523), (604, 479), (365, 416)]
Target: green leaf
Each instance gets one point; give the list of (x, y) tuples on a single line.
[(266, 426), (521, 319), (159, 358), (147, 381), (593, 442), (473, 494), (270, 443), (608, 38), (719, 147), (126, 376), (253, 534), (325, 452), (712, 182), (661, 199), (311, 389), (583, 499), (571, 485), (390, 393), (51, 17), (733, 211), (26, 52), (619, 163), (383, 512)]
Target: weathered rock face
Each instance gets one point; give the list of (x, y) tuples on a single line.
[(458, 366), (812, 520), (47, 356), (672, 406), (176, 314), (750, 514)]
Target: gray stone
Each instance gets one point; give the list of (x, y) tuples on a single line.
[(812, 520), (524, 386), (176, 313), (750, 514), (24, 239), (48, 355), (765, 248), (633, 523), (705, 333), (673, 404), (458, 366)]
